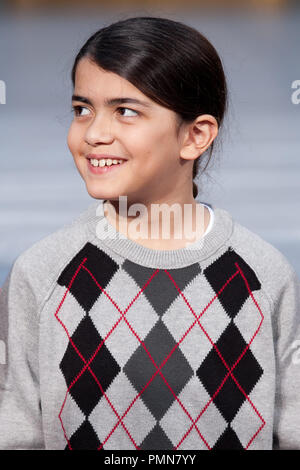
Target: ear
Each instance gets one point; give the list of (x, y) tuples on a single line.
[(198, 136)]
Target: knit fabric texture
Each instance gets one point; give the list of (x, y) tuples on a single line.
[(112, 345)]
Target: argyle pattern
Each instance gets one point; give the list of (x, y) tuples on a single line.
[(157, 358)]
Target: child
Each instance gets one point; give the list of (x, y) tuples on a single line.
[(176, 343)]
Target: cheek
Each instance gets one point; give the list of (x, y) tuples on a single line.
[(154, 150), (145, 145), (73, 139)]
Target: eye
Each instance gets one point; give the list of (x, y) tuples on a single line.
[(129, 109), (77, 109)]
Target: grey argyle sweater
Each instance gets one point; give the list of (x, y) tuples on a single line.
[(107, 344)]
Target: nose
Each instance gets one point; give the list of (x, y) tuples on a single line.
[(99, 131)]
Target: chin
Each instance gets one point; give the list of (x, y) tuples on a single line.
[(97, 193)]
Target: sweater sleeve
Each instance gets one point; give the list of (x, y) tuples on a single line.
[(287, 352), (20, 410)]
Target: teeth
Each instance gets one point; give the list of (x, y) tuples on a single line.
[(105, 161)]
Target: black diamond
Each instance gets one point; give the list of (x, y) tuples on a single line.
[(84, 288), (212, 372), (86, 392), (235, 293), (84, 438), (228, 441), (229, 399)]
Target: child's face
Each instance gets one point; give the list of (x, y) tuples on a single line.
[(145, 136)]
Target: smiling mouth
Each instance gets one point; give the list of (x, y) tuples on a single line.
[(104, 168)]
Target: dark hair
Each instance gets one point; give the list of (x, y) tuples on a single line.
[(171, 63)]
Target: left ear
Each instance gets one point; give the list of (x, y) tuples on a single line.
[(198, 136)]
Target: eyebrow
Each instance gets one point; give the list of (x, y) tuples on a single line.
[(112, 101)]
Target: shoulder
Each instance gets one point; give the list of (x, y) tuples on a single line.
[(271, 266), (39, 265)]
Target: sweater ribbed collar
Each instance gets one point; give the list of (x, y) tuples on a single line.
[(104, 234)]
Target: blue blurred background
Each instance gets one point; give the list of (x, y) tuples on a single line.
[(254, 173)]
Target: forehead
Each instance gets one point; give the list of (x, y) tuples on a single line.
[(98, 86), (91, 78)]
